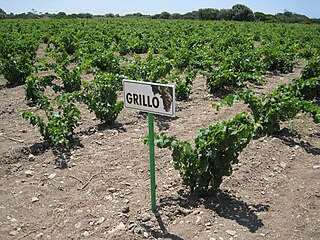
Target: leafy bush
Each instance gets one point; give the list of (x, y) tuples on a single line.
[(105, 60), (17, 68), (69, 76), (277, 59), (152, 69), (17, 57), (66, 41), (283, 104), (219, 79), (100, 95), (312, 69), (58, 128), (217, 147), (182, 87), (34, 89)]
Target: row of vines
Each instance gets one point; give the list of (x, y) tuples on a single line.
[(227, 54)]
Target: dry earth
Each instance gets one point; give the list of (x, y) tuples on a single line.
[(103, 193)]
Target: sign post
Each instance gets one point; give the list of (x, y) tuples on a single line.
[(152, 162), (152, 98)]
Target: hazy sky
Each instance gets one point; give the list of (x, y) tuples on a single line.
[(311, 8)]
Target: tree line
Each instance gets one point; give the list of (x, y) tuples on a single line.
[(238, 12)]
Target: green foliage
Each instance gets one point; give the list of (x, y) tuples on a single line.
[(16, 68), (308, 89), (277, 59), (182, 58), (34, 90), (242, 13), (59, 125), (220, 78), (17, 57), (182, 86), (236, 65), (70, 77), (283, 104), (231, 52), (100, 95), (208, 14), (105, 60), (228, 53), (217, 147), (65, 42), (312, 69), (289, 17), (152, 69)]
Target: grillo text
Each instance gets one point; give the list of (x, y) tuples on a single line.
[(142, 100)]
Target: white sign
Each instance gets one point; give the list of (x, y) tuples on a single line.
[(150, 97)]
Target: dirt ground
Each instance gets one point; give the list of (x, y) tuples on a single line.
[(104, 192)]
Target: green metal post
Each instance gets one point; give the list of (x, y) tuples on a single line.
[(152, 162)]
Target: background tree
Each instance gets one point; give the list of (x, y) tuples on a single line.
[(61, 15), (73, 15), (241, 12), (85, 15), (208, 14), (260, 17), (175, 16), (164, 15), (191, 15), (134, 15), (289, 17), (109, 15), (225, 14), (2, 14)]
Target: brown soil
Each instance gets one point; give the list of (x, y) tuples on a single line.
[(104, 191)]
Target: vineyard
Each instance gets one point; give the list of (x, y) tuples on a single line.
[(239, 161)]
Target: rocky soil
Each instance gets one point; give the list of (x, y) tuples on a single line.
[(100, 189)]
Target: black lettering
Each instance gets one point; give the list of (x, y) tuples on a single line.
[(140, 100), (149, 102), (135, 99), (155, 102), (144, 101), (129, 98)]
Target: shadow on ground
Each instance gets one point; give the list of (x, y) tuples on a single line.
[(222, 203), (164, 232), (292, 138)]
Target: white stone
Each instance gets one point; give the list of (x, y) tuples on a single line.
[(51, 176), (29, 173), (145, 217), (13, 232), (31, 157), (198, 219), (283, 164), (35, 199), (101, 220), (118, 228), (77, 225), (231, 232), (108, 197), (39, 236)]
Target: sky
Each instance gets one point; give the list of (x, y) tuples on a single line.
[(310, 8)]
